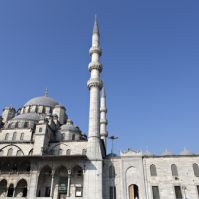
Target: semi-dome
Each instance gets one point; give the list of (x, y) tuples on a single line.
[(186, 152), (43, 101), (147, 153), (28, 116), (167, 152), (69, 126)]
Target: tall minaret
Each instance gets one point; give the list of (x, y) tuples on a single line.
[(94, 85), (103, 120), (93, 169)]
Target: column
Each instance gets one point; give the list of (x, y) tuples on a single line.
[(69, 179), (52, 183), (32, 188)]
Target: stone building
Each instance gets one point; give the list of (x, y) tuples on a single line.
[(43, 154)]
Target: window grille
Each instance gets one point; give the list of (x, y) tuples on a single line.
[(14, 136), (156, 194), (178, 192), (10, 151), (196, 169), (112, 192), (153, 170), (174, 170), (111, 172)]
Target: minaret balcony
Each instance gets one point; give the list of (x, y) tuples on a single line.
[(103, 121), (95, 83), (95, 65), (94, 49)]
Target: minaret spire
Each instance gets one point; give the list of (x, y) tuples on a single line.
[(96, 27), (93, 175), (103, 120), (95, 85)]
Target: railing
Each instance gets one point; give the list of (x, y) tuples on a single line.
[(14, 173)]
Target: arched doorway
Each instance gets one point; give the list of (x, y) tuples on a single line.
[(77, 181), (133, 191), (44, 182), (3, 188), (61, 180), (10, 191), (21, 189)]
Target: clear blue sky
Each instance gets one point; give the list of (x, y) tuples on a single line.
[(150, 58)]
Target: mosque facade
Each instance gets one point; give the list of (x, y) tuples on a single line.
[(44, 155)]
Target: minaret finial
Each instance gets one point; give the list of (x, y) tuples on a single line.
[(46, 92), (96, 27)]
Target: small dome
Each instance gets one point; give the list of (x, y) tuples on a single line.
[(147, 153), (43, 101), (28, 116), (69, 127), (186, 152), (166, 152)]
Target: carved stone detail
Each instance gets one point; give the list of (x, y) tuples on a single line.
[(95, 65), (94, 82), (103, 121), (97, 50)]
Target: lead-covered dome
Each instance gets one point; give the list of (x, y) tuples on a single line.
[(69, 126), (186, 152), (28, 116), (43, 101)]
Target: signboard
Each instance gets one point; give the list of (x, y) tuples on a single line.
[(62, 188)]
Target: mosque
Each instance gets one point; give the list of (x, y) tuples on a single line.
[(44, 155)]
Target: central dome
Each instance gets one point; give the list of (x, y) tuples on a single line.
[(43, 101)]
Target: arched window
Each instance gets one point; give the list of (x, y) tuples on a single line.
[(21, 189), (36, 109), (63, 136), (111, 171), (3, 188), (22, 136), (196, 169), (44, 182), (25, 124), (6, 136), (30, 152), (43, 110), (73, 137), (10, 190), (153, 170), (40, 130), (77, 171), (16, 125), (10, 151), (19, 153), (1, 152), (174, 170), (14, 136), (68, 151)]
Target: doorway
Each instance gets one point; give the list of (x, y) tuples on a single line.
[(133, 191)]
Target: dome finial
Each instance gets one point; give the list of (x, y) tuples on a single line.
[(46, 92)]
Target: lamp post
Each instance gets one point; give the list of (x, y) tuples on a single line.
[(113, 138)]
